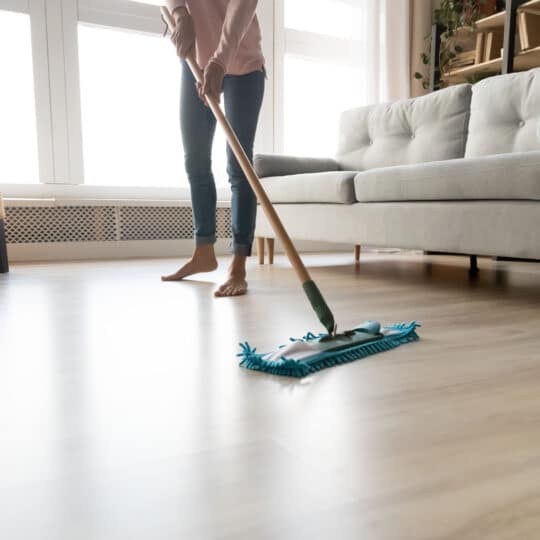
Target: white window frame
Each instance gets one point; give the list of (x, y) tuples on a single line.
[(36, 10), (54, 25)]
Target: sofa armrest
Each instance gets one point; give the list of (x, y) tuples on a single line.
[(280, 165)]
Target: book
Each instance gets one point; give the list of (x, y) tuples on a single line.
[(463, 59)]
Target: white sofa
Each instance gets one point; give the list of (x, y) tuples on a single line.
[(455, 171)]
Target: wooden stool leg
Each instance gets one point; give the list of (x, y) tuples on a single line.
[(4, 265), (260, 249), (270, 242), (357, 250)]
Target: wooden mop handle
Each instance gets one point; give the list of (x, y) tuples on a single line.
[(247, 167)]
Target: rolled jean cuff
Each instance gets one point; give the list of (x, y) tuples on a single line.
[(244, 250), (205, 240)]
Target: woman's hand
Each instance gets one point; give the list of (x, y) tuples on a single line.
[(213, 81), (183, 36)]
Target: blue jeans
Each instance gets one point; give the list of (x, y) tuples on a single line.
[(243, 95)]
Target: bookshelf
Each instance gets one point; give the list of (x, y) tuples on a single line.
[(504, 42), (522, 61)]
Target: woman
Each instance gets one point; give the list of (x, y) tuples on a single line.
[(226, 38)]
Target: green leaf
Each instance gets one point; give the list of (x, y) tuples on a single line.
[(418, 75)]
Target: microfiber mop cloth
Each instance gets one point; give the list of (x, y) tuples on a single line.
[(303, 356)]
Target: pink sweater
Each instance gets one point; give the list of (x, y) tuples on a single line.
[(228, 33)]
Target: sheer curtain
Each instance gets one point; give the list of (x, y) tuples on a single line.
[(387, 26)]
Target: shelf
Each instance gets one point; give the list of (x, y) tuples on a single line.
[(492, 67), (530, 7), (527, 59), (497, 20), (522, 62), (493, 22)]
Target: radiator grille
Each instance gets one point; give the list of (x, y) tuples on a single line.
[(32, 224), (155, 223), (60, 224)]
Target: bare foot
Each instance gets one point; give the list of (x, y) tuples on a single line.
[(203, 260), (236, 285)]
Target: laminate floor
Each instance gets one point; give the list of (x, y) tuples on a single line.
[(124, 414)]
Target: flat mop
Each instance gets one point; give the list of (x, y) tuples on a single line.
[(312, 352)]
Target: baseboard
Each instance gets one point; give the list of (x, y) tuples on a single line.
[(73, 251)]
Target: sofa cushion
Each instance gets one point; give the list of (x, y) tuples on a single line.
[(428, 128), (508, 176), (325, 187), (505, 115)]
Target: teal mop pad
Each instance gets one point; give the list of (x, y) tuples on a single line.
[(315, 352)]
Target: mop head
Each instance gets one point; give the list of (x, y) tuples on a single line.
[(315, 352)]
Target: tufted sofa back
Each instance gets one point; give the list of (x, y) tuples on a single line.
[(429, 128), (505, 115)]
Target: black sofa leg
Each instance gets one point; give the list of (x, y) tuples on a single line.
[(473, 268), (4, 264)]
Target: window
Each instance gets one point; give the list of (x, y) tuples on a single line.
[(322, 72), (18, 134), (130, 84), (129, 102), (314, 101), (103, 109), (338, 18)]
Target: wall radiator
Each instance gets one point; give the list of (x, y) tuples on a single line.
[(85, 223)]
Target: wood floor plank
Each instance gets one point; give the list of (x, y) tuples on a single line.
[(124, 414)]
